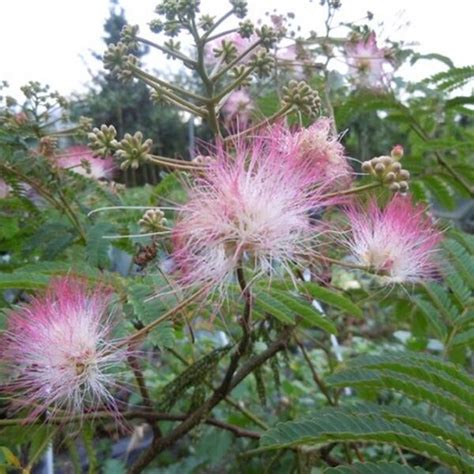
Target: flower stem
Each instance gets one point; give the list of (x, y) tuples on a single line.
[(346, 192), (278, 114)]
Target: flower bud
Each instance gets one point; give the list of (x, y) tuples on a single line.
[(397, 152), (394, 187), (153, 220), (396, 167), (379, 168), (404, 174), (403, 186)]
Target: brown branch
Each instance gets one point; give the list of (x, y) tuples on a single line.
[(160, 444), (144, 414)]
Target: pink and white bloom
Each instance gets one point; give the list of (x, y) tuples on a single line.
[(321, 148), (291, 57), (251, 209), (399, 242), (81, 160), (367, 62), (59, 353), (238, 109)]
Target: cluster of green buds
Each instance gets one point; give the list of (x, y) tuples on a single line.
[(226, 51), (238, 72), (300, 96), (388, 170), (175, 14), (262, 62), (268, 35), (206, 22), (118, 61), (132, 150), (128, 36), (102, 141), (246, 28), (84, 126), (153, 220), (240, 8)]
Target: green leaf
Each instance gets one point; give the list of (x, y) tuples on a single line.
[(418, 376), (435, 424), (305, 310), (8, 227), (332, 298), (265, 303), (462, 293), (465, 338), (375, 468), (97, 247), (462, 260), (23, 281), (63, 268), (432, 316), (441, 191), (8, 458), (337, 425), (442, 301), (163, 335)]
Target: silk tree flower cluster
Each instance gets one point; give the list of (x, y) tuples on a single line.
[(81, 160), (238, 109), (250, 208), (256, 208), (59, 352), (318, 145), (367, 62), (398, 242)]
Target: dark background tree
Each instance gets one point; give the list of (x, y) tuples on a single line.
[(128, 106)]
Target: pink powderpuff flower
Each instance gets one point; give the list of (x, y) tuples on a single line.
[(367, 62), (238, 109), (295, 58), (59, 353), (317, 145), (253, 209), (81, 160), (398, 242)]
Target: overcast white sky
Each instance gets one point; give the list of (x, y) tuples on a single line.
[(51, 40)]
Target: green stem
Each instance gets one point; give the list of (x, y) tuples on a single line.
[(186, 166), (142, 333), (317, 379), (205, 37), (235, 61), (172, 97), (356, 190), (201, 70), (232, 86), (187, 61), (222, 33), (40, 450), (168, 85)]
